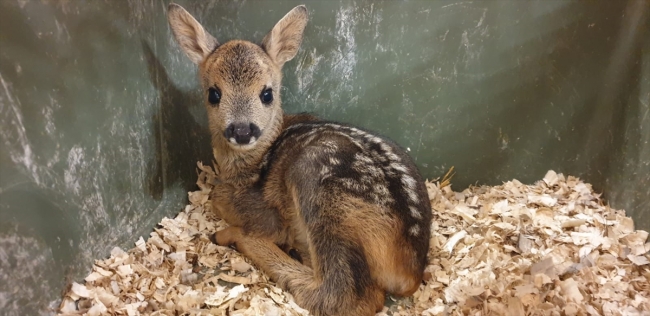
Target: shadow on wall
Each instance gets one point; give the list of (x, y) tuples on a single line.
[(180, 141)]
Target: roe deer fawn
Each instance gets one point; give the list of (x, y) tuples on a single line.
[(351, 204)]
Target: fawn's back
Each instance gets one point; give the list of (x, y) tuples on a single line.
[(350, 203), (335, 179)]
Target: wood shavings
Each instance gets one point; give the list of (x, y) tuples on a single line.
[(552, 248), (80, 290), (177, 270)]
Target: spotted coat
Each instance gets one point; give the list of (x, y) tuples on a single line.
[(352, 160)]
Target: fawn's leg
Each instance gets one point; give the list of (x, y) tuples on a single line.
[(333, 290)]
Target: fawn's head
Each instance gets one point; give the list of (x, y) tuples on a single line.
[(241, 80)]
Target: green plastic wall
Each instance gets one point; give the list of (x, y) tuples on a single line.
[(101, 122)]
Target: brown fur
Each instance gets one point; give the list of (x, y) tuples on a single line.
[(352, 204)]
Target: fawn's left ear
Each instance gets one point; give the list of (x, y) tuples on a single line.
[(283, 42), (190, 35)]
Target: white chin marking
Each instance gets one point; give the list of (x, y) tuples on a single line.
[(250, 142)]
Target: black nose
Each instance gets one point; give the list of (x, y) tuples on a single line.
[(242, 133)]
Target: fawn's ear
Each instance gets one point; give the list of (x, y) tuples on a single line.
[(190, 35), (283, 41)]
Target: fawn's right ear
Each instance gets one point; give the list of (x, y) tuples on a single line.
[(283, 41), (190, 35)]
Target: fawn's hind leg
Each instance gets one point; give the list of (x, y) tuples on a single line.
[(333, 291)]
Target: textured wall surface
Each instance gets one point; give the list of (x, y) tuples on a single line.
[(101, 122)]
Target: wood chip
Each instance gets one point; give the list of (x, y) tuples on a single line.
[(551, 248)]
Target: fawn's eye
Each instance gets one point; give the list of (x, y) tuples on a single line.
[(214, 96), (267, 96)]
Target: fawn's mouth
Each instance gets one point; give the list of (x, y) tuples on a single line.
[(232, 142), (239, 144)]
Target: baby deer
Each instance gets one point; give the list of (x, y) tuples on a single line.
[(351, 204)]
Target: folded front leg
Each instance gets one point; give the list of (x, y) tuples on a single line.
[(330, 293), (264, 252)]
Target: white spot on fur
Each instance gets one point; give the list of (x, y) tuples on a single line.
[(363, 158), (335, 161), (414, 212), (325, 171), (330, 147), (408, 181), (349, 183), (310, 138), (374, 139), (414, 230), (398, 167), (413, 196), (381, 189), (312, 155), (385, 148), (392, 157), (334, 126), (330, 144)]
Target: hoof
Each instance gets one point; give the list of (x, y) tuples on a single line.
[(213, 238)]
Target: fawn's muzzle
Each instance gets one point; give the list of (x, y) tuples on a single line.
[(242, 134)]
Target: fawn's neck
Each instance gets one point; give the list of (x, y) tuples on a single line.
[(241, 168)]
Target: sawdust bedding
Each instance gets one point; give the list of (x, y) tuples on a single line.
[(552, 248)]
